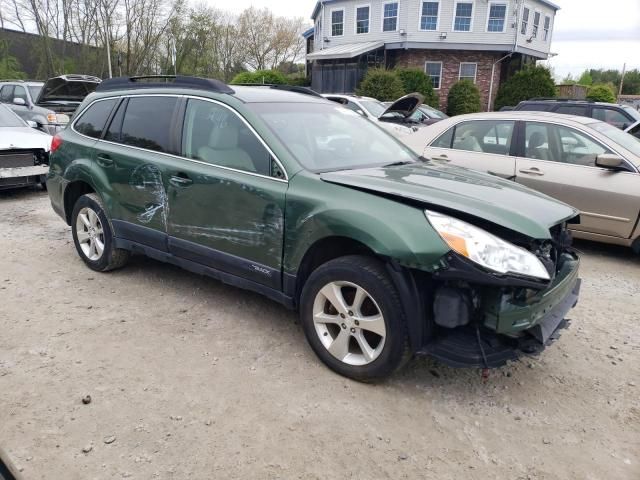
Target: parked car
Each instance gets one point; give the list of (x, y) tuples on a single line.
[(425, 114), (395, 117), (306, 202), (634, 130), (49, 104), (620, 116), (24, 152), (584, 162)]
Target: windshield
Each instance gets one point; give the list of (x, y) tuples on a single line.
[(325, 137), (9, 119), (34, 90), (623, 139), (633, 112), (432, 112), (376, 108)]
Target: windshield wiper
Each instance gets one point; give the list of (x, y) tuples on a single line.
[(397, 164)]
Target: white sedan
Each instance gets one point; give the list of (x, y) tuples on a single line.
[(24, 152)]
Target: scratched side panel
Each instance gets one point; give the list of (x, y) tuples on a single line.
[(233, 213)]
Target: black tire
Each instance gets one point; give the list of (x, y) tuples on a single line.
[(368, 273), (111, 258)]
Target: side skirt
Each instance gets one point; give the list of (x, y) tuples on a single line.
[(200, 269)]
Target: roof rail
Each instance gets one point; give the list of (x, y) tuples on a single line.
[(287, 88), (164, 81), (555, 99)]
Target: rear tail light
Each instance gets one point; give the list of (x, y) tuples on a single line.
[(56, 143)]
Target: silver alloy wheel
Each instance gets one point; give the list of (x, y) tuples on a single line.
[(349, 323), (90, 234)]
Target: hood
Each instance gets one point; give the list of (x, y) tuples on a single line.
[(17, 138), (67, 89), (446, 188), (406, 105)]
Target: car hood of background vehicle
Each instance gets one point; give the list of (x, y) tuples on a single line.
[(406, 105), (15, 138), (447, 188)]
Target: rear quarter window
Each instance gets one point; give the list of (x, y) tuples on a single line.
[(93, 120)]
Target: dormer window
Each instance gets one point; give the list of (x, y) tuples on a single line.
[(464, 16)]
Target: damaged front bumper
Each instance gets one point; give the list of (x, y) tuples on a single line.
[(504, 321)]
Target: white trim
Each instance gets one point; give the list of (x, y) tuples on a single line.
[(533, 25), (264, 144), (441, 67), (455, 10), (506, 15), (475, 76), (546, 32), (355, 19), (422, 2), (397, 17), (344, 21), (528, 9)]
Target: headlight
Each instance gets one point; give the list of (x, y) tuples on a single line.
[(62, 118), (485, 249)]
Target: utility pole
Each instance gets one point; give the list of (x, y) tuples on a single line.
[(624, 72)]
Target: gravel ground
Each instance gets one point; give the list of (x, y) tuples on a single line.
[(190, 378)]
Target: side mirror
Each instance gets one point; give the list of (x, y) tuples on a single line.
[(609, 160), (32, 124), (19, 101)]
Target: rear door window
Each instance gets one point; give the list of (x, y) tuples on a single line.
[(611, 116), (485, 136), (92, 122), (147, 123)]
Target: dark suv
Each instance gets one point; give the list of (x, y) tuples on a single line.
[(384, 254), (620, 116)]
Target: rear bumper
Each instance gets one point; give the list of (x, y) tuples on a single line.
[(18, 172)]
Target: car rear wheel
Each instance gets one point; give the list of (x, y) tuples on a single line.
[(93, 236), (353, 319)]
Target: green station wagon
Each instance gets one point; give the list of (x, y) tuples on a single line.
[(384, 254)]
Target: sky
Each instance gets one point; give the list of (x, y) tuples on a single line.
[(587, 33)]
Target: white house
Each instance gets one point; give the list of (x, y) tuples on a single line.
[(485, 41)]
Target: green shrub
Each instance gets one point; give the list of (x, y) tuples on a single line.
[(528, 83), (384, 85), (601, 93), (261, 76), (464, 97), (415, 80)]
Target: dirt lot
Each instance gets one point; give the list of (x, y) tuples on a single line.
[(192, 379)]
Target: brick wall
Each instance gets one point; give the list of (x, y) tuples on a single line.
[(451, 60)]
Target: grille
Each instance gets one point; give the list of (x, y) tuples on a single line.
[(17, 159)]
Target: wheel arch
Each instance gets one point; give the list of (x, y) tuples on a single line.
[(73, 191)]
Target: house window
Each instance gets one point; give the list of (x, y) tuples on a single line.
[(390, 17), (464, 15), (547, 25), (434, 70), (497, 17), (468, 71), (362, 19), (536, 25), (337, 23), (429, 16), (525, 21)]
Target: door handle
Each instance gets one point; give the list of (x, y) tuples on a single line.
[(104, 160), (532, 171), (180, 180)]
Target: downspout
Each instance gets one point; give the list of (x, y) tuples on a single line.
[(513, 50)]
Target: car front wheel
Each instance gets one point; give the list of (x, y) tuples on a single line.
[(93, 237), (353, 319)]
